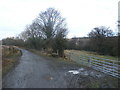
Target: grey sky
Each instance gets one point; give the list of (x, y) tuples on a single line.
[(81, 15)]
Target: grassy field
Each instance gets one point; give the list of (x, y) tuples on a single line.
[(10, 56), (87, 53), (78, 55)]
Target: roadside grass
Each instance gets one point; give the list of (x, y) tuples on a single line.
[(10, 56), (56, 59), (106, 81), (75, 53), (7, 65)]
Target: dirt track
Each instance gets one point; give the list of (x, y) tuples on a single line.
[(34, 71)]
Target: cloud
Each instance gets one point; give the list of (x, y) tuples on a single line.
[(81, 15)]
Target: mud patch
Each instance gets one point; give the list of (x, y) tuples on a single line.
[(84, 78)]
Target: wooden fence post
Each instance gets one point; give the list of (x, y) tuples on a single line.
[(89, 62)]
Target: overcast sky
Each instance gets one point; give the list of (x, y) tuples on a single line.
[(81, 15)]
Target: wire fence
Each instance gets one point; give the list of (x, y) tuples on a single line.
[(110, 67)]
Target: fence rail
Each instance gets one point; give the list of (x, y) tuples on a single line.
[(110, 67)]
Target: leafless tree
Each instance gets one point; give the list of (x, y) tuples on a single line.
[(52, 25), (100, 39), (46, 27), (51, 22), (101, 31)]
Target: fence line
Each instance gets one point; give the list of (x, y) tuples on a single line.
[(110, 67)]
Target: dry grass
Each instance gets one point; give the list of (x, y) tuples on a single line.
[(8, 51), (58, 59), (10, 55), (7, 64), (87, 53)]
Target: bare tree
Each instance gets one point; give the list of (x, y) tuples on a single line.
[(52, 25), (51, 22), (101, 31), (99, 39), (46, 27)]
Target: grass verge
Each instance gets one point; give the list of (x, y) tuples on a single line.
[(56, 59), (10, 58)]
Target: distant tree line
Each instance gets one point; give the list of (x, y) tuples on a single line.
[(100, 39), (13, 41)]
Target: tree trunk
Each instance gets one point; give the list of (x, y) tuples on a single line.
[(61, 53)]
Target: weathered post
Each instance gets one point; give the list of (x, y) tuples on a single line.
[(89, 62)]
